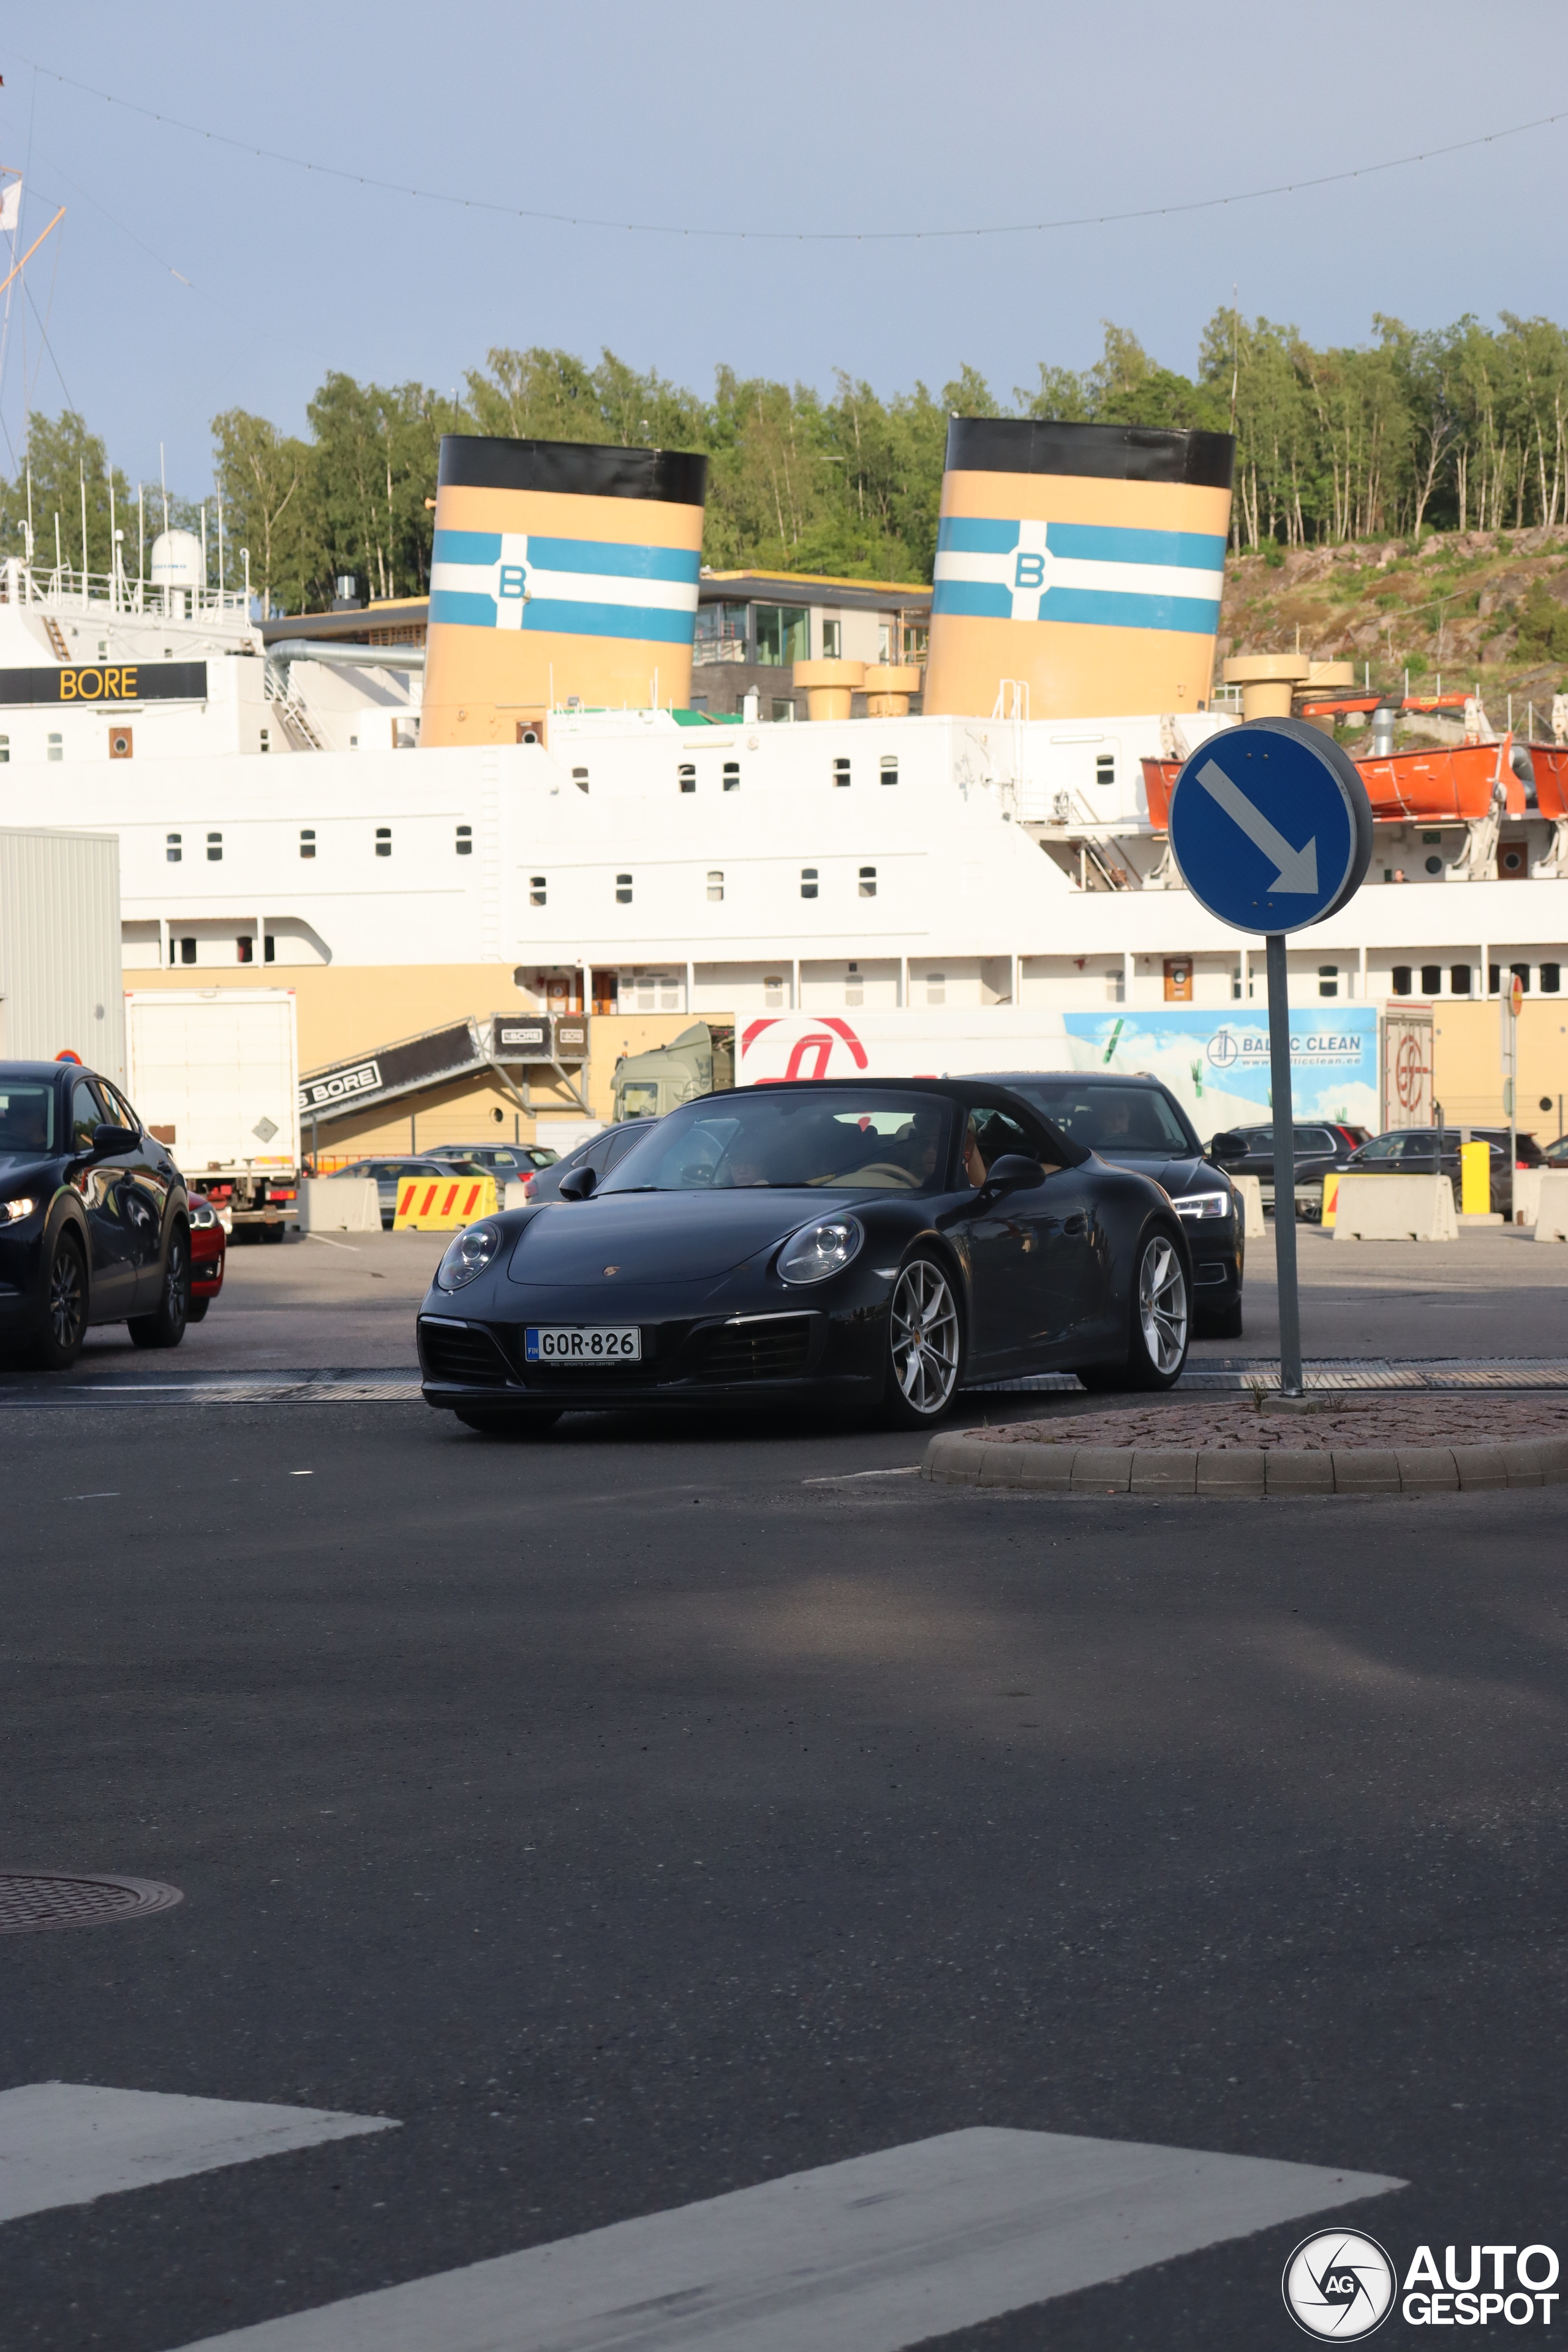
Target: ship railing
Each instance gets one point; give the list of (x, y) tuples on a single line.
[(67, 588)]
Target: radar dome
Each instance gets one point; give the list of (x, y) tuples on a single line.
[(176, 560)]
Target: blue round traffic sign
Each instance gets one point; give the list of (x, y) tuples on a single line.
[(1270, 825)]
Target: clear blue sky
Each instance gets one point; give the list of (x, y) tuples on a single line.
[(905, 114)]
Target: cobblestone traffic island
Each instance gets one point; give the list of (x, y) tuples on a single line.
[(1386, 1445)]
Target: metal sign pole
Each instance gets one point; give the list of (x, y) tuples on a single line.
[(1284, 1168)]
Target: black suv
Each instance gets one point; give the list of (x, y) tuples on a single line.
[(94, 1217), (1321, 1149), (1138, 1123)]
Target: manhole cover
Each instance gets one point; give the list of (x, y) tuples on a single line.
[(31, 1900)]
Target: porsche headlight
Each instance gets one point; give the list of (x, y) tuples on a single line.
[(469, 1256), (824, 1247), (13, 1211)]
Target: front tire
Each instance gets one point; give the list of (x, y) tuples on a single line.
[(196, 1312), (492, 1423), (165, 1326), (1160, 1321), (58, 1341), (924, 1345)]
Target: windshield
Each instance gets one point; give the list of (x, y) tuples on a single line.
[(26, 1118), (1109, 1117), (837, 1142)]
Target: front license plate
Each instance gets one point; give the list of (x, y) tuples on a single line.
[(583, 1344)]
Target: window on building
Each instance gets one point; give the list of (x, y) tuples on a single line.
[(1402, 977), (687, 774), (1105, 768), (537, 890), (1521, 972), (808, 881), (1431, 980), (1178, 980), (215, 849), (1551, 978), (307, 841), (5, 751), (936, 988), (916, 636), (1494, 978), (854, 986), (55, 748), (384, 841), (783, 633), (783, 710), (580, 778), (867, 881), (889, 767), (715, 883), (464, 843), (623, 889), (1433, 865), (731, 775), (1328, 979), (188, 950), (269, 950), (841, 772), (833, 641), (245, 951), (885, 633), (172, 849), (265, 740), (1459, 980), (773, 993), (720, 626)]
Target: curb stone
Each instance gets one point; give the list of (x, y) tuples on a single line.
[(957, 1458)]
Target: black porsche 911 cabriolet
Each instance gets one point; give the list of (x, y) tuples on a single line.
[(867, 1243)]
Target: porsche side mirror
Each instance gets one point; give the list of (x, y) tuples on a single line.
[(1227, 1148), (1014, 1172), (578, 1184)]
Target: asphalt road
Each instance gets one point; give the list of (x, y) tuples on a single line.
[(635, 1817)]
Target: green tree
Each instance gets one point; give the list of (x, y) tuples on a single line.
[(265, 478)]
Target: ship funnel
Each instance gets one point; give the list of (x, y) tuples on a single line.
[(1079, 569), (562, 573)]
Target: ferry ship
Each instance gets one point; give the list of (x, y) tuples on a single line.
[(528, 815)]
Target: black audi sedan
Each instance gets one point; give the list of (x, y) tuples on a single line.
[(1138, 1123), (862, 1244), (94, 1218)]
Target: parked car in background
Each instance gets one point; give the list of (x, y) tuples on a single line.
[(508, 1164), (389, 1173), (1413, 1151), (209, 1254), (1138, 1123), (1555, 1155), (1320, 1148), (598, 1156), (94, 1217)]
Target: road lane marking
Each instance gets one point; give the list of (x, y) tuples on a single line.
[(65, 2143), (876, 2253), (839, 1477)]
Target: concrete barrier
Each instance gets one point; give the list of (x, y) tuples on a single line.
[(1527, 1195), (339, 1204), (1251, 1190), (1395, 1209), (962, 1458), (1552, 1204), (442, 1204), (515, 1198)]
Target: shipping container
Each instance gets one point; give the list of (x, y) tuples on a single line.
[(59, 948), (214, 1073)]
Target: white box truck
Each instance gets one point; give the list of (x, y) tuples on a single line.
[(215, 1072), (59, 948)]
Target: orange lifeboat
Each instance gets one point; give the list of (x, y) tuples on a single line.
[(1159, 778), (1550, 761), (1435, 786)]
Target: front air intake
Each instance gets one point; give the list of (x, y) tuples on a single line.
[(1079, 569), (563, 573)]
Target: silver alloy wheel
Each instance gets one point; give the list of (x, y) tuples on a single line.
[(1163, 1304), (174, 1282), (924, 1337), (65, 1295)]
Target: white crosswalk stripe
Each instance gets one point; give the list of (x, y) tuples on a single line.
[(65, 2143), (869, 2255)]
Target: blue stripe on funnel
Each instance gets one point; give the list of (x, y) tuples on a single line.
[(565, 618), (466, 547), (971, 600), (458, 608), (1189, 550), (613, 559), (1109, 608), (975, 535)]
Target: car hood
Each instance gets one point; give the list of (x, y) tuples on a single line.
[(658, 1236), (18, 1169), (1187, 1175)]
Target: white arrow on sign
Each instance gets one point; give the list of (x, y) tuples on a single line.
[(1298, 874)]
